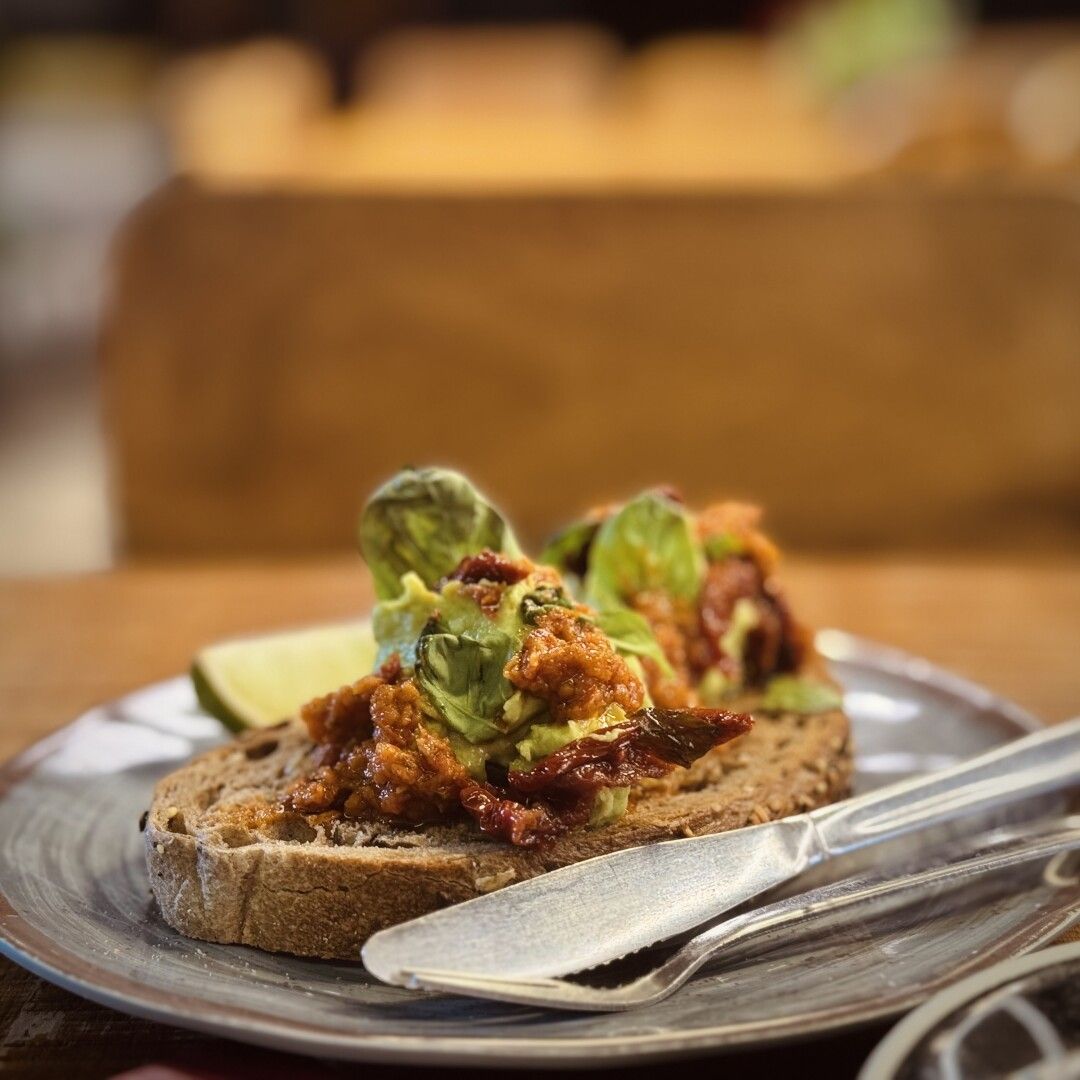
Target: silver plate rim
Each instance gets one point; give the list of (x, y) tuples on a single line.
[(22, 943)]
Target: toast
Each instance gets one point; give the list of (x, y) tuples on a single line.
[(223, 872)]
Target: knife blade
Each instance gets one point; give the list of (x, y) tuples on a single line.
[(632, 898)]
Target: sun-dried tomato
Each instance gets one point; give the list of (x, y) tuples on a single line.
[(491, 566), (486, 576), (775, 645), (506, 818), (559, 791), (650, 744)]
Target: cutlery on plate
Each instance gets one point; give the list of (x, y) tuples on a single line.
[(781, 921), (592, 912)]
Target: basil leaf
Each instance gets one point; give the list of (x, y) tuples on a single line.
[(537, 602), (649, 544), (568, 550), (427, 521), (631, 634), (462, 677)]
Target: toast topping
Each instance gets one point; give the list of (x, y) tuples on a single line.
[(702, 582), (378, 756), (375, 755), (500, 698)]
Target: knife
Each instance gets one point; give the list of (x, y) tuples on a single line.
[(595, 911)]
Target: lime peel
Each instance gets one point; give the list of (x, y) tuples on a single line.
[(259, 681)]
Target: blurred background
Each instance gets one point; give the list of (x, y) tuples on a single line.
[(256, 256)]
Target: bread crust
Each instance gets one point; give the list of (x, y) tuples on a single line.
[(322, 891)]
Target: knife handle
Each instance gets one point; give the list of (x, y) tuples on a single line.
[(1048, 760)]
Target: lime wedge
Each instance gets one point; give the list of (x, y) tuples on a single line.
[(258, 681)]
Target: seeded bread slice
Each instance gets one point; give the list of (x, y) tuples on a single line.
[(322, 890)]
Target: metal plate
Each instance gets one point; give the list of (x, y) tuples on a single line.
[(75, 906)]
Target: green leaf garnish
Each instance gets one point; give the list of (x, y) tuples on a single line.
[(568, 550), (648, 544), (461, 675), (631, 635), (427, 521)]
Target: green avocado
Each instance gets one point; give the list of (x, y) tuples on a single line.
[(610, 805), (544, 739), (799, 694), (715, 688), (397, 623), (744, 618), (723, 545)]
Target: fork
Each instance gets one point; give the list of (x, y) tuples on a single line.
[(750, 928)]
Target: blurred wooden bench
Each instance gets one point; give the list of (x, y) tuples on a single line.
[(882, 367)]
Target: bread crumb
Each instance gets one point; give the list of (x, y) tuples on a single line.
[(491, 882), (159, 848), (687, 831), (759, 815)]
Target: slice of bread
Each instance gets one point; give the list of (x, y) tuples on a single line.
[(321, 890)]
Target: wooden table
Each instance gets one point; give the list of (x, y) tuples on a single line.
[(68, 643)]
